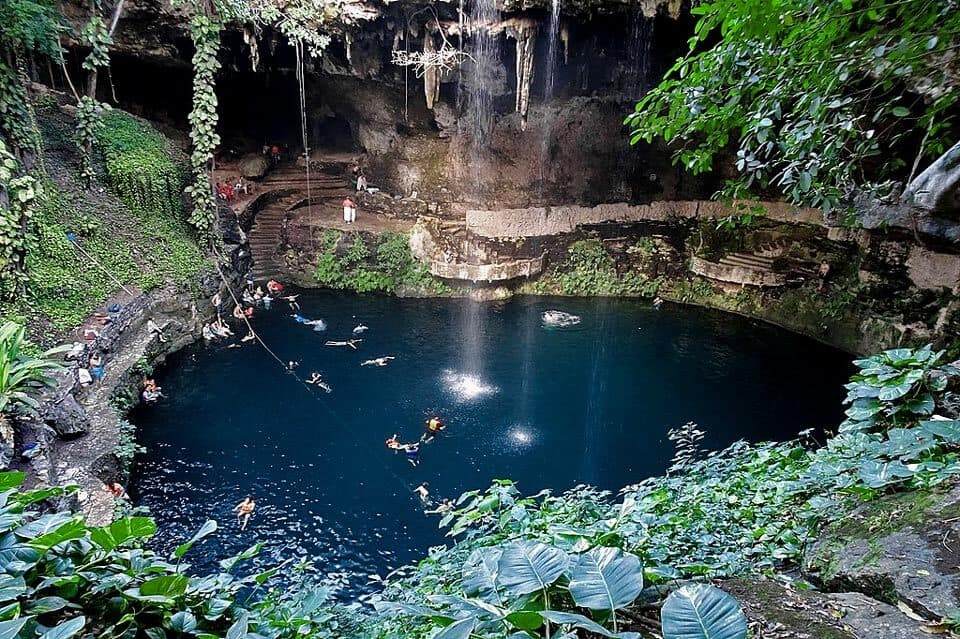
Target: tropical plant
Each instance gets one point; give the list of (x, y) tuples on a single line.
[(702, 611), (810, 92), (19, 192), (895, 387), (20, 374), (205, 32)]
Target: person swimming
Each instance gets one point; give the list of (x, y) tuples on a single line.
[(358, 330), (412, 453), (379, 361), (445, 506), (393, 443), (244, 509), (352, 343), (423, 490), (434, 426)]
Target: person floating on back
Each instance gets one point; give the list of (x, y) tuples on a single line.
[(244, 509), (379, 361), (352, 343)]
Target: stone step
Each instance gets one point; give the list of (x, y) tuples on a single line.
[(748, 260)]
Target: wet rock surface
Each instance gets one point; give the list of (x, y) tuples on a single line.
[(903, 548)]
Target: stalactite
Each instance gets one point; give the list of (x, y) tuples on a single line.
[(565, 39), (250, 39), (431, 74), (525, 35), (348, 43)]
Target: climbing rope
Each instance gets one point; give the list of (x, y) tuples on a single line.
[(76, 245), (301, 82)]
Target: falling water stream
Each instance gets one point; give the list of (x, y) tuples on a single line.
[(553, 36), (638, 57)]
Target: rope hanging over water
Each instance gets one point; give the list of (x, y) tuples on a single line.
[(301, 83)]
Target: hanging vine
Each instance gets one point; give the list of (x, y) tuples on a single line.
[(89, 110), (19, 194), (205, 32)]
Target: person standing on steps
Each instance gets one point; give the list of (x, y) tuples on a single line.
[(349, 210)]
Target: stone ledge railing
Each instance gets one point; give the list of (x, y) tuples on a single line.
[(494, 272), (554, 220), (735, 274)]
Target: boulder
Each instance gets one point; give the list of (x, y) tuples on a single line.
[(903, 547), (67, 417), (253, 165)]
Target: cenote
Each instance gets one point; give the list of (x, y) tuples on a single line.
[(548, 408)]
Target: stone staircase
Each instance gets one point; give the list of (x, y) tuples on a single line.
[(266, 236), (744, 269)]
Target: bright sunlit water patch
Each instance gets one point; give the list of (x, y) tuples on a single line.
[(521, 437), (465, 387)]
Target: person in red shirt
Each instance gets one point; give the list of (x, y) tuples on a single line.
[(275, 153)]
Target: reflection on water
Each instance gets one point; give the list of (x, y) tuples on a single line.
[(548, 408)]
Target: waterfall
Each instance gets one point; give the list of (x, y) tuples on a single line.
[(553, 37), (483, 50), (638, 57)]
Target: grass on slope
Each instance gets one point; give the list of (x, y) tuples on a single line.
[(131, 221)]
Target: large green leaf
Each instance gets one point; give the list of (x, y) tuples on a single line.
[(122, 531), (165, 586), (605, 579), (480, 572), (458, 629), (73, 529), (11, 479), (208, 527), (701, 611), (10, 629), (527, 566), (579, 621), (65, 630)]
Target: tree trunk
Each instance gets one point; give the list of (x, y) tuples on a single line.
[(938, 187)]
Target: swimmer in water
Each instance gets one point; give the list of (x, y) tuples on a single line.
[(315, 378), (394, 443), (357, 330), (244, 509), (292, 365), (248, 337), (434, 426), (292, 301), (423, 490), (657, 302), (352, 343), (380, 361), (412, 452), (445, 506)]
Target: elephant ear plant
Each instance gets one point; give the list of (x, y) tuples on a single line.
[(528, 589), (20, 374)]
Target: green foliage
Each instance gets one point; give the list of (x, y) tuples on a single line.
[(61, 578), (808, 91), (31, 25), (591, 270), (96, 36), (701, 611), (392, 269), (127, 447), (141, 168), (205, 33), (15, 118), (142, 246), (894, 388), (90, 125), (19, 194), (20, 374)]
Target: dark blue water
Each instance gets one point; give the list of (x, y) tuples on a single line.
[(547, 408)]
